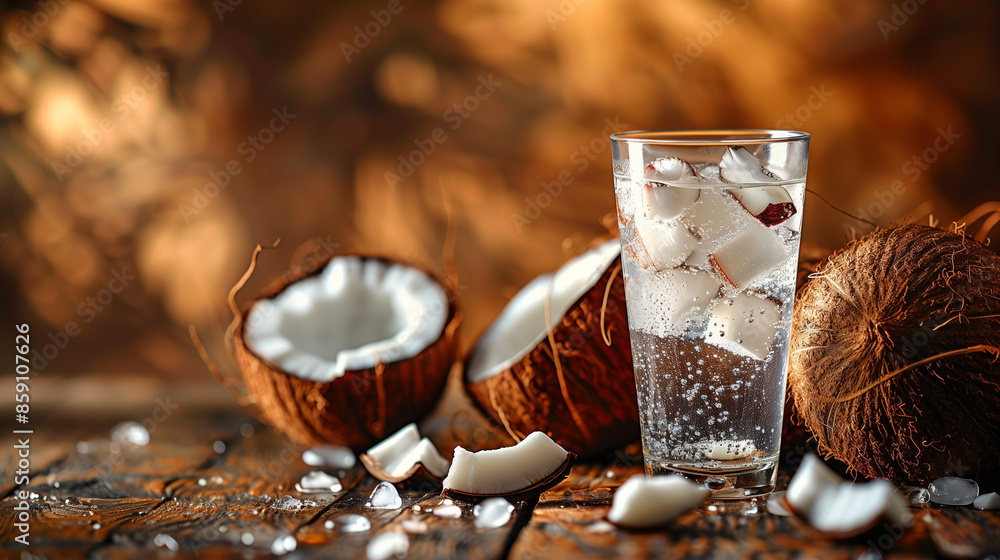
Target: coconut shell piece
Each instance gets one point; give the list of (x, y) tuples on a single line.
[(359, 408), (529, 493), (894, 355), (417, 475), (596, 410)]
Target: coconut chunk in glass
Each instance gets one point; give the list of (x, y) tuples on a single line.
[(709, 223)]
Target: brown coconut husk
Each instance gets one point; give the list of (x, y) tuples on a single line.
[(361, 407), (577, 386), (894, 355)]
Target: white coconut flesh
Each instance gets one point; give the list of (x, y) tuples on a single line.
[(833, 505), (398, 453), (505, 470), (352, 315), (521, 325), (643, 502)]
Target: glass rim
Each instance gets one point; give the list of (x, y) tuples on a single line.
[(711, 137)]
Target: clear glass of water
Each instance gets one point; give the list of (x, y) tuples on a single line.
[(710, 223)]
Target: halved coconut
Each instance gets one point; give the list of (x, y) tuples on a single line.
[(405, 456), (841, 509), (644, 502), (583, 394), (528, 468), (350, 352)]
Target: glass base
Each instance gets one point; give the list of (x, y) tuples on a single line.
[(726, 485)]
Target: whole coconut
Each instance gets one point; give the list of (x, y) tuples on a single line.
[(894, 355)]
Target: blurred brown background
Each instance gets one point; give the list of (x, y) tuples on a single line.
[(124, 119)]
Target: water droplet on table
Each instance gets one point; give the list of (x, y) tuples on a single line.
[(493, 513), (289, 503), (351, 523), (130, 432), (448, 512), (953, 491), (385, 496), (388, 545), (318, 481), (331, 456), (283, 545), (915, 495)]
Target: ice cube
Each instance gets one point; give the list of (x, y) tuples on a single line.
[(716, 216), (385, 496), (915, 495), (165, 541), (331, 456), (283, 545), (660, 303), (449, 511), (989, 501), (318, 481), (953, 491), (749, 255), (493, 513), (667, 243), (391, 544), (414, 526), (740, 166), (351, 523), (130, 432), (708, 172), (770, 205), (745, 324)]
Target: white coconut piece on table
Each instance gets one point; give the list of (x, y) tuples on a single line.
[(385, 312), (717, 216), (661, 303), (645, 502), (745, 324), (401, 452), (769, 204), (506, 470), (839, 508), (667, 243), (752, 253)]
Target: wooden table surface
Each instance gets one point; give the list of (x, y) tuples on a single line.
[(180, 492)]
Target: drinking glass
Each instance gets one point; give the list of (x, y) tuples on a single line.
[(710, 223)]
